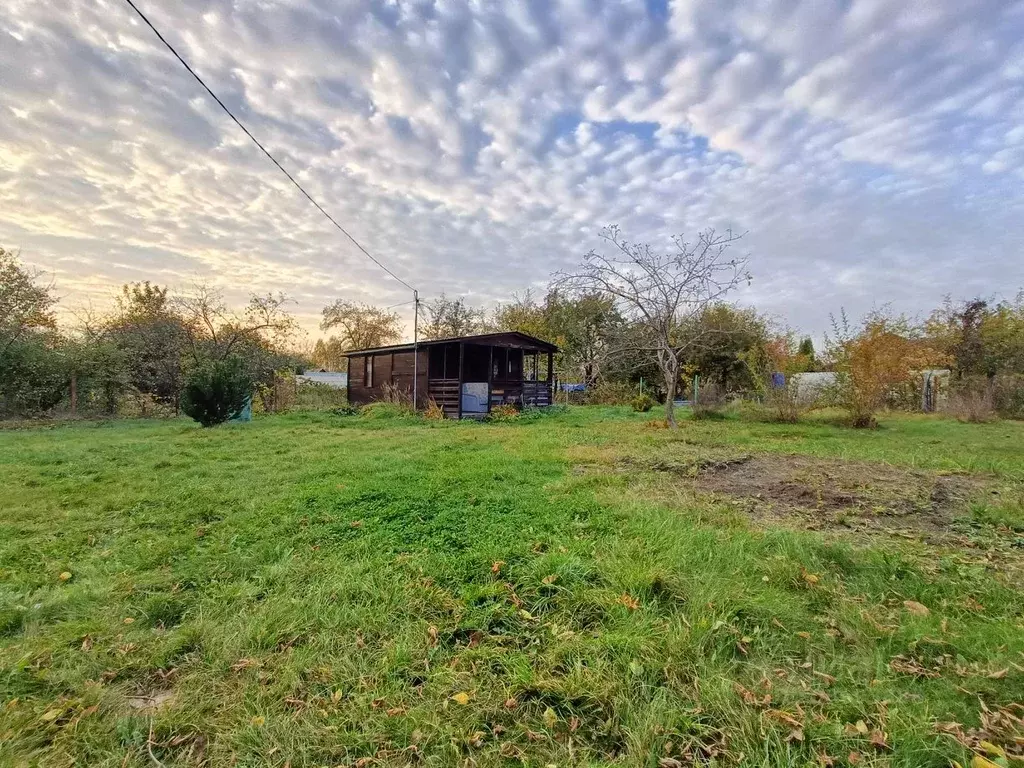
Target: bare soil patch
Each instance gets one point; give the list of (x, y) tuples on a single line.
[(820, 493)]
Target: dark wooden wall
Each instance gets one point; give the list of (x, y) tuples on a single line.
[(388, 368)]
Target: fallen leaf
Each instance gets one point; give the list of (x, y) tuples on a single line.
[(550, 579), (432, 634), (784, 717), (129, 620), (630, 602), (991, 749), (550, 718), (496, 566), (336, 695), (669, 762), (51, 715), (804, 635), (356, 524), (395, 711), (511, 703), (983, 762), (65, 576), (999, 675), (461, 698), (811, 578), (878, 740), (916, 608), (853, 758), (258, 720), (797, 734), (827, 678)]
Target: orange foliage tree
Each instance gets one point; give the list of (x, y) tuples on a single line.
[(884, 356)]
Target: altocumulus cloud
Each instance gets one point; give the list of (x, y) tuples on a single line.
[(874, 150)]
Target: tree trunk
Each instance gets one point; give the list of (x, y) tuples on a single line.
[(74, 394), (671, 373)]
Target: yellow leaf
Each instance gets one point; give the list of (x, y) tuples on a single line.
[(129, 620), (981, 762), (51, 715), (861, 726), (65, 576), (550, 579), (461, 698), (991, 749), (258, 720), (999, 675), (811, 578), (336, 696), (916, 608), (550, 718)]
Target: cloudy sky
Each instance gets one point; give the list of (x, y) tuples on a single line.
[(873, 150)]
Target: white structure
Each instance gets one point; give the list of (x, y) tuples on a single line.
[(811, 386), (333, 380)]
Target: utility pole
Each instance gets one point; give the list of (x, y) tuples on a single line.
[(415, 348)]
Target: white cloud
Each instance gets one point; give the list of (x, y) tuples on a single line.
[(872, 149)]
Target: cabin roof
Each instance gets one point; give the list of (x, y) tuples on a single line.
[(502, 339)]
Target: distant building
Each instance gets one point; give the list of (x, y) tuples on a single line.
[(331, 379)]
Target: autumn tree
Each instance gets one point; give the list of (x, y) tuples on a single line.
[(525, 315), (33, 376), (874, 361), (25, 305), (732, 333), (360, 326), (663, 293), (328, 355), (450, 318), (142, 343)]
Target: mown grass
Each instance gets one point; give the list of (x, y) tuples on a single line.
[(328, 590)]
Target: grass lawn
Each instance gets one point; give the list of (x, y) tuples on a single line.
[(578, 589)]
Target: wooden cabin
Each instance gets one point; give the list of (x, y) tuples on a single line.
[(466, 376)]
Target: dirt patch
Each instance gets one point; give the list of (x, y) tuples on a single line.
[(820, 493)]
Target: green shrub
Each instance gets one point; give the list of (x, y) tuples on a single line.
[(609, 393), (642, 403), (217, 391)]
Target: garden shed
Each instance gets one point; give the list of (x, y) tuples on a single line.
[(465, 376)]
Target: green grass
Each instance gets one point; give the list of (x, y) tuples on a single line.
[(319, 590)]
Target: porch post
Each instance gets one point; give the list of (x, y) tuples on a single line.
[(490, 375), (551, 378), (462, 355)]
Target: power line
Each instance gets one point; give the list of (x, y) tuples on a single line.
[(262, 148)]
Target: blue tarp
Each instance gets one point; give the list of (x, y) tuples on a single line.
[(573, 387)]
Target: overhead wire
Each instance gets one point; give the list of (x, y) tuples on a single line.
[(255, 141)]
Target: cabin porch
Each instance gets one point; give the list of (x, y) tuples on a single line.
[(467, 379)]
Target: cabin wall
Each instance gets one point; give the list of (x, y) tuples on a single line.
[(389, 368)]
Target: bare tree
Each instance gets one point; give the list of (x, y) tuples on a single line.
[(216, 330), (663, 294)]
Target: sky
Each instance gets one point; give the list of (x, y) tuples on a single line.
[(871, 150)]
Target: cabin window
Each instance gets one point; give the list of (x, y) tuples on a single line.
[(368, 371)]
